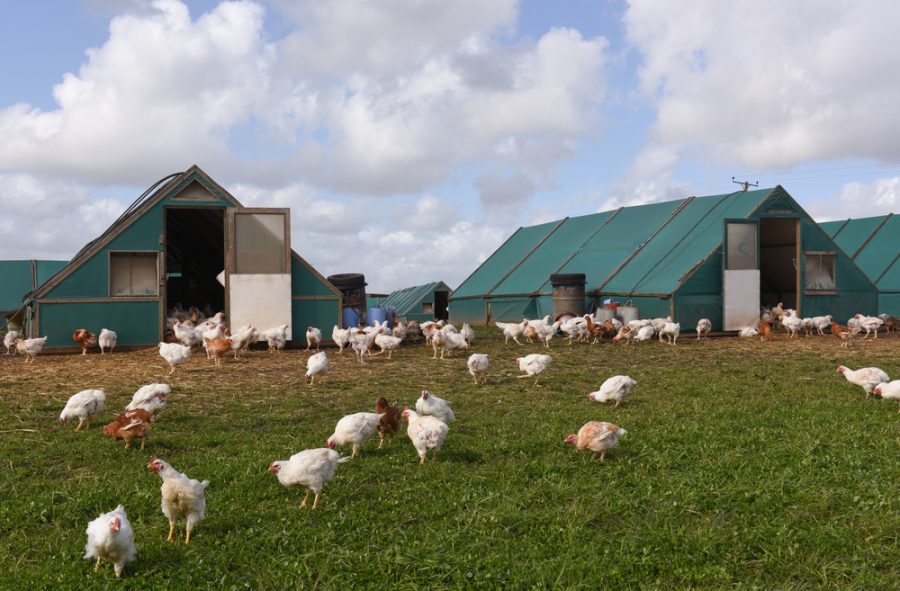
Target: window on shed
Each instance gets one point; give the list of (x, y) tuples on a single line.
[(820, 271), (427, 308), (260, 243), (133, 274), (742, 246)]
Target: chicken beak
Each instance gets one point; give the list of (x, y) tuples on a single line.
[(114, 525)]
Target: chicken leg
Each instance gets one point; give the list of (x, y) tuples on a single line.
[(97, 566), (80, 423), (316, 501), (303, 504), (171, 537), (187, 536)]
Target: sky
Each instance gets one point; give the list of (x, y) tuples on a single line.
[(410, 138)]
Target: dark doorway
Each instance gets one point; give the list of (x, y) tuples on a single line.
[(440, 305), (778, 265), (195, 255)]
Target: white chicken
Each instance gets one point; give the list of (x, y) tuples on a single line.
[(354, 429), (870, 324), (83, 406), (867, 377), (110, 537), (243, 338), (644, 334), (425, 432), (808, 326), (107, 340), (313, 337), (659, 323), (478, 366), (821, 323), (533, 365), (276, 337), (399, 329), (889, 391), (614, 388), (151, 397), (597, 437), (512, 330), (748, 331), (174, 354), (181, 497), (467, 333), (430, 405), (545, 332), (387, 343), (311, 469), (575, 328), (670, 330), (360, 341), (626, 333), (9, 341), (791, 323), (315, 365), (30, 347), (447, 341), (341, 337), (704, 327), (186, 334)]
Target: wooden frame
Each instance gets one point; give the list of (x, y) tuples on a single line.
[(821, 253), (233, 212), (109, 255)]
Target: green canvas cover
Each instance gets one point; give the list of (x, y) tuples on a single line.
[(881, 250), (620, 236), (565, 240), (854, 233), (504, 259), (409, 300), (18, 278)]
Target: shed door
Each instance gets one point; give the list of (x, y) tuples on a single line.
[(740, 283), (258, 278)]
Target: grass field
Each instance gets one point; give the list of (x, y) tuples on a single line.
[(747, 465)]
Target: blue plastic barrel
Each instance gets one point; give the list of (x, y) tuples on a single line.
[(350, 317), (378, 315)]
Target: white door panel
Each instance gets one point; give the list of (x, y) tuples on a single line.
[(740, 297)]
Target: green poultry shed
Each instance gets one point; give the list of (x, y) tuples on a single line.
[(420, 302), (719, 257), (186, 241)]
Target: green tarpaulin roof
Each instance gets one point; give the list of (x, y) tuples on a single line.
[(408, 300), (874, 245), (643, 249)]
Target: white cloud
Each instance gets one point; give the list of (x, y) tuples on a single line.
[(859, 200), (504, 195), (772, 84), (49, 219), (647, 180)]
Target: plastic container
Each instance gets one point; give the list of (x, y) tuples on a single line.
[(628, 312), (350, 318), (568, 294), (353, 288), (378, 315)]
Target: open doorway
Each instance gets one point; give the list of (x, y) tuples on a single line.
[(440, 305), (195, 255), (778, 261)]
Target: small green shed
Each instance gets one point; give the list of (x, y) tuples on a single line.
[(19, 278), (874, 245), (719, 257), (420, 303), (185, 241)]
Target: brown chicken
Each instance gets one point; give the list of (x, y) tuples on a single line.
[(845, 333), (765, 329), (390, 422), (890, 324), (130, 425), (218, 347), (85, 339)]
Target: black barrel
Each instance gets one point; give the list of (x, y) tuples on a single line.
[(568, 293), (353, 288)]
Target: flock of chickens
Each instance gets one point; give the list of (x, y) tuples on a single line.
[(111, 536)]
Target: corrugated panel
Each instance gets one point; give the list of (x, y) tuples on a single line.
[(320, 313), (630, 228), (407, 300), (697, 230), (47, 269), (503, 260), (536, 269), (136, 323), (856, 232), (881, 250)]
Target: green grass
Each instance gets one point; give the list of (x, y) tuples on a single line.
[(747, 465)]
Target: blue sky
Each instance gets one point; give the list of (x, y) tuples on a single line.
[(410, 138)]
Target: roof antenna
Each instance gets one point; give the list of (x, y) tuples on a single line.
[(745, 184)]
